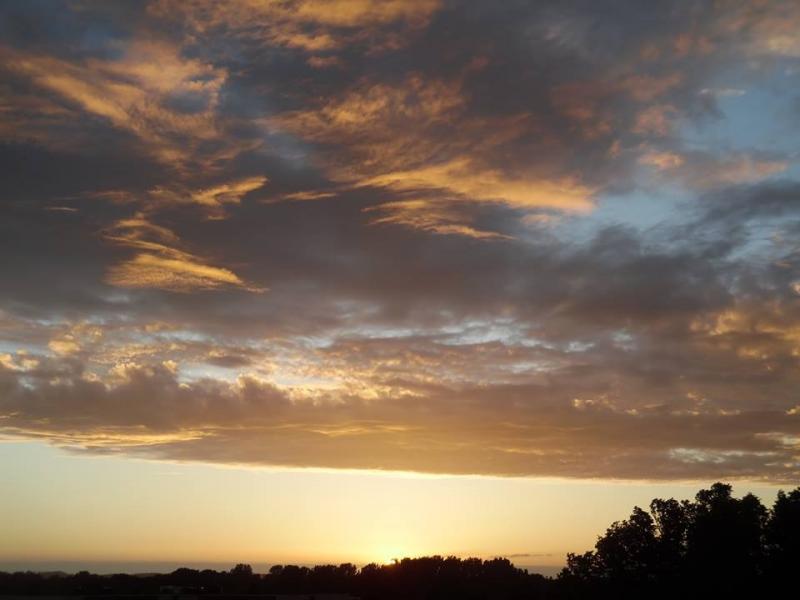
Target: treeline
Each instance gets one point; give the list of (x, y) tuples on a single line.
[(409, 578), (715, 546)]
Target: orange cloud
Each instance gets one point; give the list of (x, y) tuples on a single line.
[(212, 200), (464, 178), (227, 193), (353, 13), (393, 139), (179, 274), (135, 94), (75, 338), (429, 215), (306, 25), (159, 264)]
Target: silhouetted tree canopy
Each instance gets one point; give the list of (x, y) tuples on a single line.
[(715, 546)]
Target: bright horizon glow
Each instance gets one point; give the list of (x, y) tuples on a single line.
[(125, 511)]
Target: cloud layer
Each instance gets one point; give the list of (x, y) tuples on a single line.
[(550, 240)]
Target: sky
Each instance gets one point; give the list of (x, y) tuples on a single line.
[(302, 281)]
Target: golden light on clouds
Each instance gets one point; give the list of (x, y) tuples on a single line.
[(227, 193), (463, 178), (134, 94), (306, 25), (180, 274), (428, 215), (163, 265)]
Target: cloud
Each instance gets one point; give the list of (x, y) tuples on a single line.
[(226, 193), (662, 160), (211, 200), (768, 27), (393, 134), (611, 360), (180, 274), (477, 255), (461, 178), (250, 422), (159, 264), (702, 170), (169, 103), (307, 25), (655, 120), (430, 216)]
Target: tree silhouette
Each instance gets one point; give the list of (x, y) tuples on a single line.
[(714, 546), (724, 544), (242, 570), (782, 539)]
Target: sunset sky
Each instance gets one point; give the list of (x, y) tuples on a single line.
[(317, 281)]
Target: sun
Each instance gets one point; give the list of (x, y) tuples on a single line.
[(390, 554)]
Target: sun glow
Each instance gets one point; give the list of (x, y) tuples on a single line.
[(392, 554)]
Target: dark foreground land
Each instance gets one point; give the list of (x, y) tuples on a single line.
[(716, 546)]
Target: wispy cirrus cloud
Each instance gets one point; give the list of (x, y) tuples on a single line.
[(160, 264), (167, 102)]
